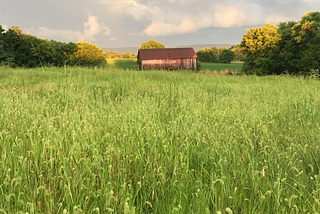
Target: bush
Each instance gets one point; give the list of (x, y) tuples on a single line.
[(199, 67)]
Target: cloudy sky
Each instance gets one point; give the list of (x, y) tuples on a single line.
[(128, 23)]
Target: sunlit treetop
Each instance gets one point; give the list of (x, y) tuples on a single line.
[(205, 50), (259, 39), (16, 29), (88, 51), (151, 44), (309, 24)]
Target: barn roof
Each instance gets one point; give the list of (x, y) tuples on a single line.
[(167, 53)]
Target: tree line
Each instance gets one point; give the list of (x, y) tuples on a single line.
[(291, 47), (222, 55), (112, 55), (24, 50)]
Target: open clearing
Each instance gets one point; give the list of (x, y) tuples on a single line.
[(122, 141)]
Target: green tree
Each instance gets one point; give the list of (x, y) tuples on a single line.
[(215, 51), (10, 38), (207, 55), (222, 49), (2, 52), (24, 50), (237, 50), (226, 56), (260, 46), (307, 35), (290, 50), (151, 44), (87, 54), (26, 54), (310, 59)]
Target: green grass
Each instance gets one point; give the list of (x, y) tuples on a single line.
[(221, 66), (131, 64), (121, 141)]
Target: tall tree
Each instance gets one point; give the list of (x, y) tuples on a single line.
[(2, 52), (226, 56), (207, 55), (290, 50), (221, 49), (87, 54), (260, 45), (151, 44), (215, 51), (307, 35), (11, 39), (237, 50)]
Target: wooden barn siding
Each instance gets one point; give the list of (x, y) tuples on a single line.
[(168, 64)]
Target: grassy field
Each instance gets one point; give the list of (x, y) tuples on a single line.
[(121, 141), (132, 65), (221, 66)]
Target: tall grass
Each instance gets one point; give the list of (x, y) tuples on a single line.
[(130, 64), (221, 66), (120, 141)]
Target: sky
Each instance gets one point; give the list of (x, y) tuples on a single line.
[(128, 23)]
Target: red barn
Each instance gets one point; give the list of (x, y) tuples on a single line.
[(167, 59)]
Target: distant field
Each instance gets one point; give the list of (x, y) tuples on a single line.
[(131, 64), (124, 141)]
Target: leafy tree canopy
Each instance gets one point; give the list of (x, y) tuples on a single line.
[(151, 44), (307, 34), (222, 49), (260, 45), (112, 54), (207, 55), (257, 40), (226, 56), (237, 50), (88, 54), (308, 28), (215, 51)]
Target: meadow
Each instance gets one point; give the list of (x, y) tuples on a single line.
[(81, 140), (130, 64), (237, 66)]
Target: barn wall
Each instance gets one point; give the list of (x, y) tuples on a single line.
[(168, 64)]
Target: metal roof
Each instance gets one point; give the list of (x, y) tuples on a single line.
[(166, 53)]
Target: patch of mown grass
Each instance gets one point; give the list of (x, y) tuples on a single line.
[(123, 141)]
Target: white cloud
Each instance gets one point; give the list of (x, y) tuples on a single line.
[(91, 29), (113, 39), (171, 17), (5, 27), (162, 19)]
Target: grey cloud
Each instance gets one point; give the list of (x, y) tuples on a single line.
[(91, 29), (135, 21)]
